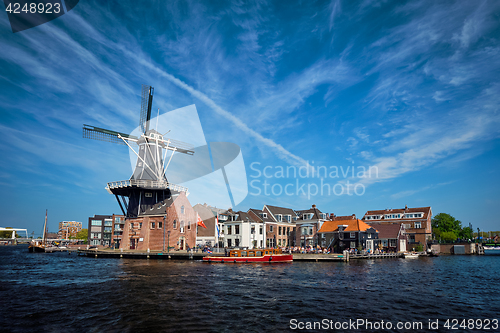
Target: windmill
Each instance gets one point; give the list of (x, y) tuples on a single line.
[(148, 191)]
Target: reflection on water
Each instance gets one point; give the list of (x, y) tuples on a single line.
[(60, 292)]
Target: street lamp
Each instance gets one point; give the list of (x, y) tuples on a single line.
[(164, 233), (168, 241)]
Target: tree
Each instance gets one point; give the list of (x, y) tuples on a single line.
[(467, 233), (448, 236), (445, 222), (83, 234)]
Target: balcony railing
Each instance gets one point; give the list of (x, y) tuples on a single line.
[(151, 184)]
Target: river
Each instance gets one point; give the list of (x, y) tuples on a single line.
[(57, 292)]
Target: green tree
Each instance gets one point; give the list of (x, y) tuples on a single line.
[(83, 234), (6, 234), (448, 236), (466, 232)]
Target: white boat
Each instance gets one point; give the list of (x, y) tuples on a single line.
[(410, 255)]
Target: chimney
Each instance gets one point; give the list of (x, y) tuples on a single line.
[(314, 206)]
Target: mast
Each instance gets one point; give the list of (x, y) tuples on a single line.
[(44, 237)]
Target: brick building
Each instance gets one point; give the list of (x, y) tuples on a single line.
[(417, 223), (69, 229), (175, 229)]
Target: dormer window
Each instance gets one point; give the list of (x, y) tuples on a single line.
[(288, 218), (278, 217), (323, 216), (263, 215)]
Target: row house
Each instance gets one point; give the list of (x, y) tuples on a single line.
[(348, 232), (270, 226), (285, 219), (393, 237), (243, 230), (416, 221), (308, 223)]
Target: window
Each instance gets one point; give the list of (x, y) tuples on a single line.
[(295, 218), (236, 229), (131, 225), (279, 231), (252, 230), (369, 235), (140, 225), (323, 216), (229, 243), (148, 195), (352, 235), (189, 225), (160, 225), (96, 222), (260, 233), (279, 242), (392, 242), (418, 224), (174, 224), (353, 245), (412, 238), (263, 215), (310, 231), (271, 228), (118, 219), (236, 242), (288, 231), (182, 209), (153, 225), (181, 227), (108, 222), (229, 230), (278, 217), (288, 218), (384, 243)]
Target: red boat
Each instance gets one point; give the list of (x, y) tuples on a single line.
[(256, 255)]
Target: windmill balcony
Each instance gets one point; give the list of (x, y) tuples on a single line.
[(150, 184)]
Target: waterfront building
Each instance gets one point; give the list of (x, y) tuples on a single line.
[(100, 229), (417, 223), (392, 237), (308, 223), (117, 230), (174, 226), (69, 229), (243, 230), (348, 232), (269, 225), (210, 235), (285, 219)]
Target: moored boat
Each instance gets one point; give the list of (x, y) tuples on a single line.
[(255, 255), (40, 245), (411, 255), (491, 249)]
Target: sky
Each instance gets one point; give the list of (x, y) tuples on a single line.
[(409, 91)]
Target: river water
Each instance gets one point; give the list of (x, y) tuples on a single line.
[(58, 292)]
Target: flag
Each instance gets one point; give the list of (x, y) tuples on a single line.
[(209, 251), (200, 222), (217, 224)]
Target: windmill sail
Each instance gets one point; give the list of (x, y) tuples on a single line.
[(101, 134), (146, 104)]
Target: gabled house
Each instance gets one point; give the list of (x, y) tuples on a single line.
[(242, 230), (270, 226), (285, 219), (349, 233), (417, 222), (308, 224), (393, 237)]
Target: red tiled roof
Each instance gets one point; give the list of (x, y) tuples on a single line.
[(352, 225)]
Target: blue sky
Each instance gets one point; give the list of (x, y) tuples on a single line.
[(409, 88)]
